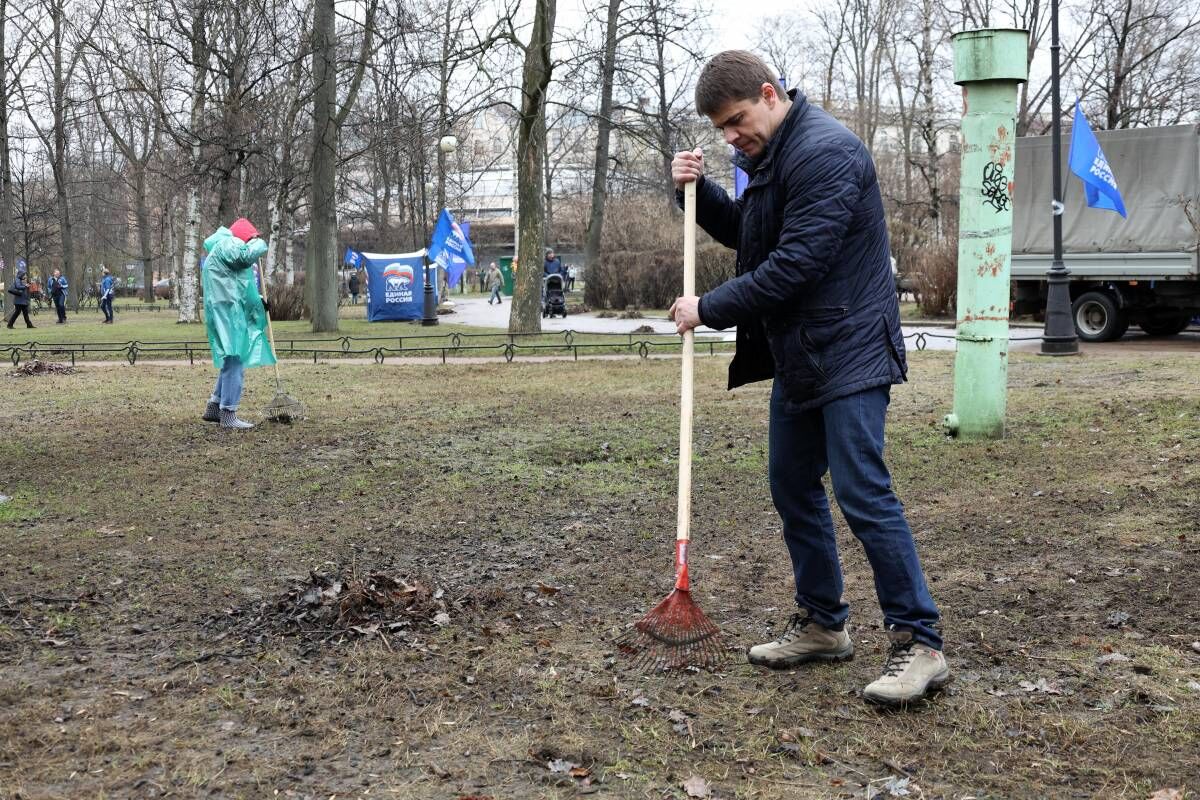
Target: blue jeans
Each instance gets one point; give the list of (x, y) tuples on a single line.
[(106, 308), (60, 307), (845, 438), (228, 391), (495, 296)]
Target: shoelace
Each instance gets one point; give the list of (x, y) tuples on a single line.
[(898, 658), (795, 625)]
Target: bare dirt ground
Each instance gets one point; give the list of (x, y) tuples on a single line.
[(413, 593)]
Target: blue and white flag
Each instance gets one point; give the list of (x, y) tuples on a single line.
[(450, 247), (395, 284), (353, 258), (1088, 162)]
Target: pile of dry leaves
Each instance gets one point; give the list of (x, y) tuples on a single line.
[(365, 604), (39, 367)]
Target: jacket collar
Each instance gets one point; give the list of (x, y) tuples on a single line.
[(749, 165)]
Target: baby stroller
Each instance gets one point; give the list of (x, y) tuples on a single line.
[(554, 300)]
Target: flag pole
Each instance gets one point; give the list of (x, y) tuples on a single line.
[(1058, 336)]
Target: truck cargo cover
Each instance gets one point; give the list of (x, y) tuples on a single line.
[(1157, 170)]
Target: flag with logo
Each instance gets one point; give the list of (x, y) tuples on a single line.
[(394, 285), (353, 258), (1088, 162), (450, 248)]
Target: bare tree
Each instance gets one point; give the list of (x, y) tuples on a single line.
[(525, 314), (1138, 56), (663, 59), (783, 41), (321, 256), (11, 68), (133, 126), (604, 127), (58, 56)]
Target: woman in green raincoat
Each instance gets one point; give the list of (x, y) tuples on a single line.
[(234, 316)]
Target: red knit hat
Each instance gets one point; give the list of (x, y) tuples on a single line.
[(243, 229)]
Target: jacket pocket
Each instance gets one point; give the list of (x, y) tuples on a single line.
[(799, 360), (899, 362)]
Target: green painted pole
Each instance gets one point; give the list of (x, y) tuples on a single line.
[(989, 64)]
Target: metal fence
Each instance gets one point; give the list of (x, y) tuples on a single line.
[(379, 348)]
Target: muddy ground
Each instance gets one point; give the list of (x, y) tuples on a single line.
[(413, 592)]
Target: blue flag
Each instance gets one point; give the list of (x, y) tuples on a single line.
[(394, 284), (353, 258), (1088, 162), (740, 181), (450, 247)]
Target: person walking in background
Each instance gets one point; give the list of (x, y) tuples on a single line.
[(107, 288), (571, 278), (20, 295), (495, 279), (57, 285), (354, 287), (234, 316)]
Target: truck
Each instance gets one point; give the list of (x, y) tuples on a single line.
[(1139, 270)]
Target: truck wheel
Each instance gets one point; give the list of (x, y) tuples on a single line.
[(1097, 318), (1165, 324)]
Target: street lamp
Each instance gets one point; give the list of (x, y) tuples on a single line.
[(447, 145), (1058, 336)]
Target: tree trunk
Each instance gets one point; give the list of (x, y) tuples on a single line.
[(929, 123), (143, 223), (176, 253), (595, 225), (188, 296), (320, 257), (188, 279), (59, 166), (525, 315), (289, 252), (8, 239), (664, 131), (272, 264)]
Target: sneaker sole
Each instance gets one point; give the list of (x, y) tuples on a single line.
[(933, 687), (804, 658)]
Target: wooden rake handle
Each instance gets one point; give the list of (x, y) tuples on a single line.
[(684, 513), (262, 281)]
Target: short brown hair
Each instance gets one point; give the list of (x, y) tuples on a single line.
[(730, 76)]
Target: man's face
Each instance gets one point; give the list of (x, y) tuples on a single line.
[(57, 274), (550, 255), (749, 124)]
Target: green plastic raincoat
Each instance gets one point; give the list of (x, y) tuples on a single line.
[(233, 311)]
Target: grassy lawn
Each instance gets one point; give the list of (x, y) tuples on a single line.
[(153, 567)]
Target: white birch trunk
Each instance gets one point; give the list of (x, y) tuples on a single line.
[(187, 278), (273, 243), (289, 252)]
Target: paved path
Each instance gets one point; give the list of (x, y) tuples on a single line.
[(475, 311)]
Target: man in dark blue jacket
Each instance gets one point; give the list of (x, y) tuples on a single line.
[(815, 308), (20, 299)]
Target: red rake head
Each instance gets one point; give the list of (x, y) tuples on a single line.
[(674, 635)]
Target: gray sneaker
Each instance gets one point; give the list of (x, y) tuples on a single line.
[(913, 670), (229, 419), (803, 641), (212, 413)]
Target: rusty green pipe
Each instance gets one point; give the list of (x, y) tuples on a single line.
[(989, 64)]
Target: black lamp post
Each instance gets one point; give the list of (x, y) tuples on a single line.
[(1058, 337)]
